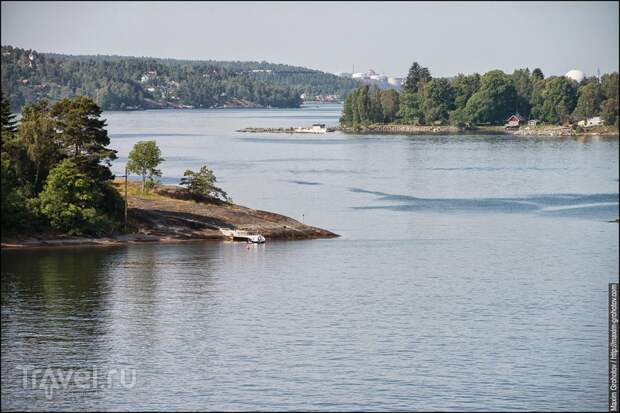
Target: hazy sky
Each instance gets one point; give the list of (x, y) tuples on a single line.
[(448, 38)]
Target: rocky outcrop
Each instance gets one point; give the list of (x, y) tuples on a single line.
[(170, 215), (406, 129), (543, 131)]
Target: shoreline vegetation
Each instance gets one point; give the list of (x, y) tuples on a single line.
[(522, 103), (58, 188)]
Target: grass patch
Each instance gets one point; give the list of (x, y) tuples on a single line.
[(134, 189)]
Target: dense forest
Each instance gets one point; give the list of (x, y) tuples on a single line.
[(122, 83), (487, 99)]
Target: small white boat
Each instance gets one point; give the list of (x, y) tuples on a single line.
[(256, 239)]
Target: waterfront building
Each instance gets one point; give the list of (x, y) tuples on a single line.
[(514, 121)]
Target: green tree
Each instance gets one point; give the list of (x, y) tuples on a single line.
[(202, 183), (589, 101), (347, 111), (495, 101), (609, 90), (537, 98), (355, 96), (537, 74), (8, 119), (69, 200), (144, 159), (410, 111), (363, 104), (609, 85), (416, 77), (522, 81), (38, 133), (459, 117), (390, 104), (559, 99), (83, 136), (464, 87), (15, 212), (376, 109), (437, 100), (609, 111)]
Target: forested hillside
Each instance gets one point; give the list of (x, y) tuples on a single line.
[(125, 83)]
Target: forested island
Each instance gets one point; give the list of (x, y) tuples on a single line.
[(57, 185), (489, 99), (131, 83)]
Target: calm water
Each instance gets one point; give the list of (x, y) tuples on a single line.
[(471, 274)]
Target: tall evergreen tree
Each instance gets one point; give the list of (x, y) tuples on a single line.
[(83, 135), (537, 74), (7, 118), (416, 77)]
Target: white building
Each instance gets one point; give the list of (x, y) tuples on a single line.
[(576, 75), (380, 80), (395, 81), (590, 122)]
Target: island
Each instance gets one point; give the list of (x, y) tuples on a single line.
[(522, 103), (58, 188), (169, 214)]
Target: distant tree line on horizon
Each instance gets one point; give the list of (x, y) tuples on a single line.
[(487, 99), (121, 83)]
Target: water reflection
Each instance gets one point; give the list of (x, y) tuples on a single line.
[(469, 269)]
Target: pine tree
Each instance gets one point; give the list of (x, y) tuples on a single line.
[(417, 76)]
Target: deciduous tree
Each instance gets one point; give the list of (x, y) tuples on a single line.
[(144, 159)]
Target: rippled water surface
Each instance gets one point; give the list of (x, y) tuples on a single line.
[(471, 274)]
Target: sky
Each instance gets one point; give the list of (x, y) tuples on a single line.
[(446, 37)]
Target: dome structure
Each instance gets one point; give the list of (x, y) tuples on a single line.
[(576, 75)]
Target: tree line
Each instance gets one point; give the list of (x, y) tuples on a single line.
[(119, 83), (487, 99)]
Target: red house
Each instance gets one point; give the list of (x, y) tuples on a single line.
[(514, 121)]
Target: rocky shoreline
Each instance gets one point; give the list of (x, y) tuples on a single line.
[(407, 129), (284, 130), (170, 215), (545, 130)]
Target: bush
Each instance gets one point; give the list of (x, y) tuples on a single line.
[(202, 183), (70, 199)]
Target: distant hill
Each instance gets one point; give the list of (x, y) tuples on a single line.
[(130, 83)]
